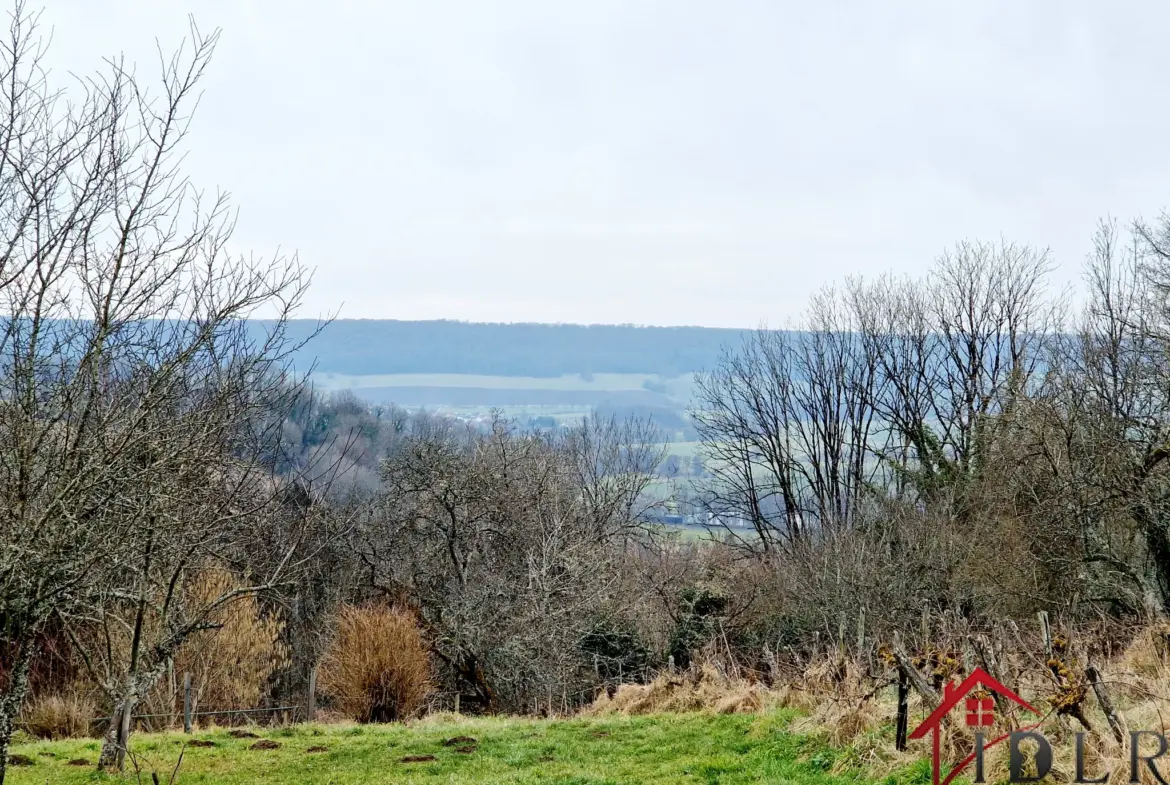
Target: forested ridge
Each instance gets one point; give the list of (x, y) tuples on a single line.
[(385, 346)]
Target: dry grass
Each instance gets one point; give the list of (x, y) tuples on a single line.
[(704, 689), (230, 665), (66, 716), (378, 668), (839, 706), (851, 710)]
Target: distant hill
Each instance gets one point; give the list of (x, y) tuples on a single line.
[(376, 346), (481, 396)]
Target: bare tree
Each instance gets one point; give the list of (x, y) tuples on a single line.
[(506, 543), (788, 426), (954, 352), (883, 389), (131, 384), (1110, 401), (991, 315)]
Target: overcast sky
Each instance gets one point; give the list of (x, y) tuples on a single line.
[(673, 162)]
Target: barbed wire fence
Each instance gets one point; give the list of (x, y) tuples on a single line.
[(442, 701), (294, 713)]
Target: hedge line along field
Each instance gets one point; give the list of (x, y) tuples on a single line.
[(656, 749)]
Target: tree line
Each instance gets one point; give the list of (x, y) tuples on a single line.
[(386, 346), (970, 440)]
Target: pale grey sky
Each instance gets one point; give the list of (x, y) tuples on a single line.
[(655, 161)]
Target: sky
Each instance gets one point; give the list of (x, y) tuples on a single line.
[(653, 161)]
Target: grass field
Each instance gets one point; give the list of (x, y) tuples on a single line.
[(664, 749)]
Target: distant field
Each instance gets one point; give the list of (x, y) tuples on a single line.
[(578, 391), (563, 414), (600, 381), (683, 449), (485, 397)]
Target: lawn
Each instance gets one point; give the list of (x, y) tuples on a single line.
[(666, 749)]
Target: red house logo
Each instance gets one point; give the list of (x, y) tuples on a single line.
[(980, 714)]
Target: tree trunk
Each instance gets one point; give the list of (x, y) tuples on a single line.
[(117, 738), (10, 702), (1158, 546), (1094, 677), (1154, 530)]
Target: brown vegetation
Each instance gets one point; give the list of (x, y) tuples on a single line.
[(59, 716), (230, 665), (378, 669)]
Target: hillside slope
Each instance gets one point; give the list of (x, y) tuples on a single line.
[(374, 346)]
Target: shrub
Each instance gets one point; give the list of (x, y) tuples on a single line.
[(378, 668), (700, 609), (616, 651), (231, 664), (64, 716)]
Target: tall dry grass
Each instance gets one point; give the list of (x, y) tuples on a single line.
[(67, 715), (851, 704), (703, 688), (378, 668), (231, 664)]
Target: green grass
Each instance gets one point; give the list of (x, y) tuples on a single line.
[(666, 749)]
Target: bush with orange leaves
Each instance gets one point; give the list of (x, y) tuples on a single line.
[(378, 668)]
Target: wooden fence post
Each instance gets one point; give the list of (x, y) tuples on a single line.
[(1046, 631), (311, 703), (1103, 701), (186, 703), (903, 712)]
